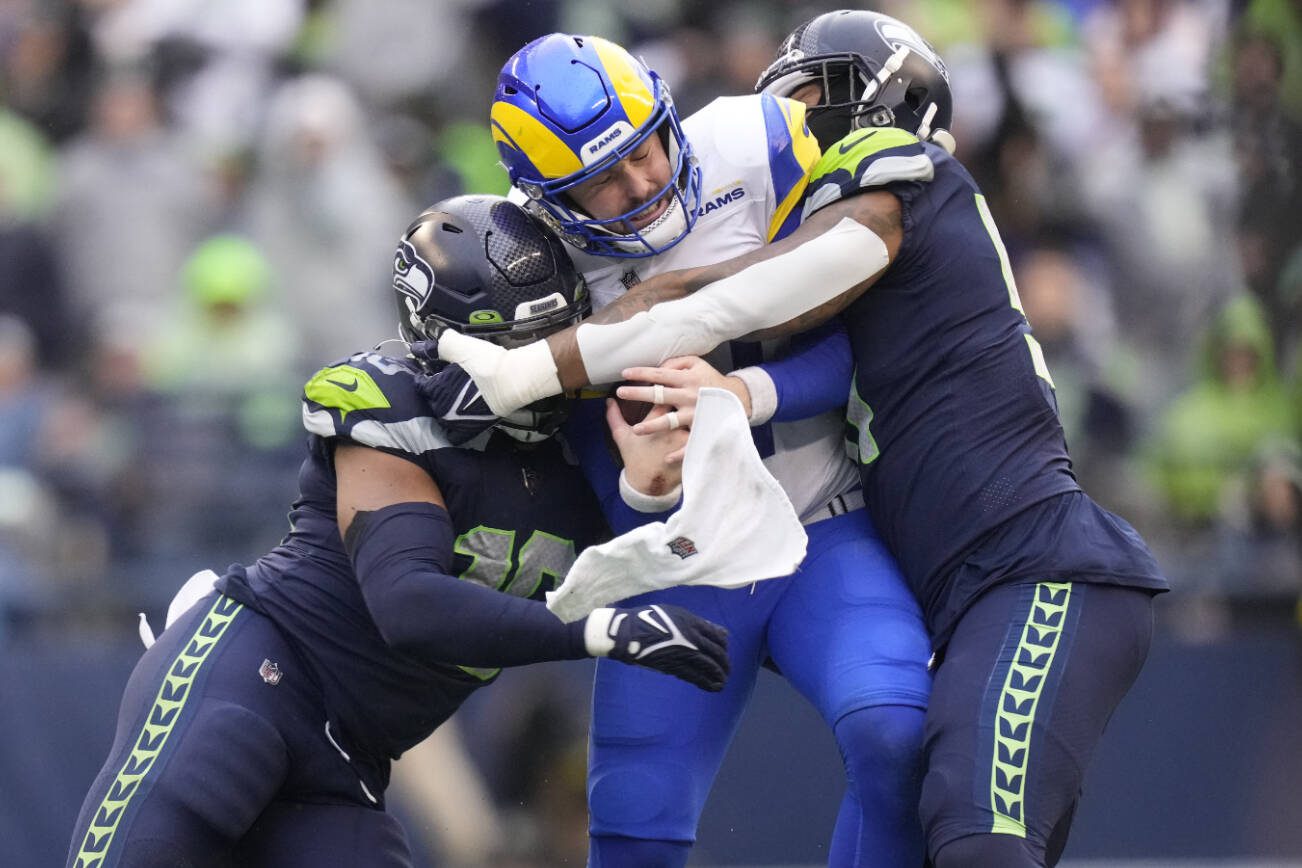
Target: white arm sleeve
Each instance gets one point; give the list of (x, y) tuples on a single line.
[(761, 296)]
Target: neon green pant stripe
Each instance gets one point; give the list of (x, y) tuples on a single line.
[(171, 698), (1018, 700)]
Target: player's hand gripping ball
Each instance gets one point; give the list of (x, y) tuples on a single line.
[(632, 411)]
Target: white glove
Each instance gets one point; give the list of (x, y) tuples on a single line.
[(507, 379)]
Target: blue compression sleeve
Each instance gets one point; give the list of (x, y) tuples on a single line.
[(585, 431), (401, 555), (814, 376)]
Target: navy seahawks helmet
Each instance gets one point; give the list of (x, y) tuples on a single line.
[(875, 71), (481, 266)]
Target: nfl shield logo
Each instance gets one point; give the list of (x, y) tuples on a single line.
[(683, 547), (270, 672)]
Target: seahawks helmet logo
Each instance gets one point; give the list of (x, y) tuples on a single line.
[(412, 276), (896, 34)]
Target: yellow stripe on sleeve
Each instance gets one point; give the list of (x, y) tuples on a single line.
[(804, 148), (803, 143)]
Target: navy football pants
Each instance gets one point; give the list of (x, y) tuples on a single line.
[(1029, 679), (222, 758)]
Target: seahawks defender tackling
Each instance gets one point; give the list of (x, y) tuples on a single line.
[(259, 728), (1038, 600), (594, 147)]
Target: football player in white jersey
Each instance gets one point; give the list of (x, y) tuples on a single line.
[(594, 147)]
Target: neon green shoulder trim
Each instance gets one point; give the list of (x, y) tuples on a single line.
[(853, 149), (345, 388)]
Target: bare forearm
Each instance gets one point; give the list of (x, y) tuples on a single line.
[(646, 295)]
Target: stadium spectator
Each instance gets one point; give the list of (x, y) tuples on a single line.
[(220, 427), (1283, 21), (47, 65), (1158, 179), (1071, 314), (136, 203), (1211, 432), (214, 64), (25, 397), (321, 206), (27, 517), (1268, 152), (227, 335), (1259, 527), (32, 285)]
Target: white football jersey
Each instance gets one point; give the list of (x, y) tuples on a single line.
[(755, 155)]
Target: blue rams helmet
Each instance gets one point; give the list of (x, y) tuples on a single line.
[(568, 108), (875, 71)]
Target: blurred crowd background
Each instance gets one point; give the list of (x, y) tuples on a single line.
[(199, 200)]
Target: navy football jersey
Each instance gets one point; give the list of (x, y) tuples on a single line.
[(520, 514), (952, 418)]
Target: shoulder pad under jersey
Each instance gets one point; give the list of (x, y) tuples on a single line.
[(865, 159), (371, 400), (759, 140)]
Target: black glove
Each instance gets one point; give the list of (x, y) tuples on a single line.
[(666, 638), (453, 398)]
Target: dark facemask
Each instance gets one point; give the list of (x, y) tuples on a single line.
[(831, 121)]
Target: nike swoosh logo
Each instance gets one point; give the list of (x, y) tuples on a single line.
[(847, 147), (460, 410), (469, 395), (645, 616), (676, 637), (347, 387)]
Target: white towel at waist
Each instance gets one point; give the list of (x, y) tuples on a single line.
[(736, 525)]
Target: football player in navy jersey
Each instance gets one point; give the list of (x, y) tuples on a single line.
[(1038, 601), (258, 730)]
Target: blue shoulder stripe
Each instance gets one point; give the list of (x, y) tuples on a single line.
[(792, 153)]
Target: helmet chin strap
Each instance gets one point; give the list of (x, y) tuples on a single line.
[(530, 424), (925, 133), (523, 435), (924, 128)]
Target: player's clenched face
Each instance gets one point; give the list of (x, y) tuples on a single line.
[(811, 94), (627, 186)]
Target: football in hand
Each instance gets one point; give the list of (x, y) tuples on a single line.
[(632, 411)]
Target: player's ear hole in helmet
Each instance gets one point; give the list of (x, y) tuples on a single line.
[(568, 108), (481, 266), (874, 71)]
